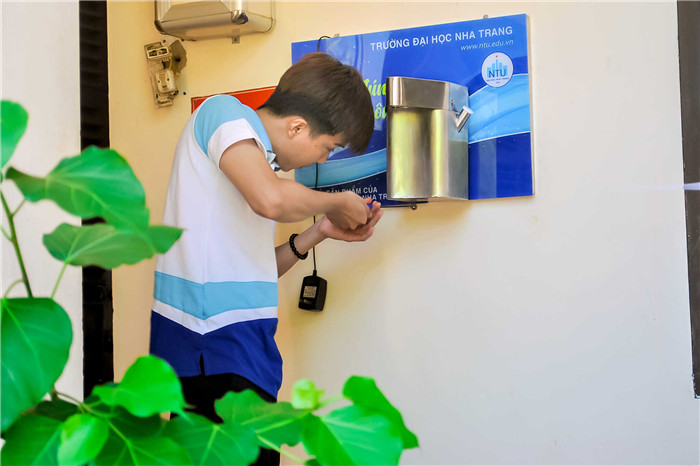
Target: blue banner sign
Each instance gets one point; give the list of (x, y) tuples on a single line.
[(489, 56)]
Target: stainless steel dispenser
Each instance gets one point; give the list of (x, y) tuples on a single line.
[(427, 146)]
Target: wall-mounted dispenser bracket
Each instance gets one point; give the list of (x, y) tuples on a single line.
[(427, 140), (164, 62)]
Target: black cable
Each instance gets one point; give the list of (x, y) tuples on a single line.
[(313, 249), (318, 45)]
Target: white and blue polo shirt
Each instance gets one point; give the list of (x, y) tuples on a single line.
[(216, 288)]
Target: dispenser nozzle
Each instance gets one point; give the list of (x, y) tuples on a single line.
[(462, 117)]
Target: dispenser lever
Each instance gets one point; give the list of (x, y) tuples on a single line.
[(462, 117)]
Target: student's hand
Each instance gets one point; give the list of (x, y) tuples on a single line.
[(349, 212), (361, 233)]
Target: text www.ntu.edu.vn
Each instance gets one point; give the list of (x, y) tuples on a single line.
[(486, 45)]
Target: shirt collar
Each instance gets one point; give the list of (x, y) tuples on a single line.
[(271, 159)]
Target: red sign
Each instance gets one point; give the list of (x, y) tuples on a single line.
[(253, 98)]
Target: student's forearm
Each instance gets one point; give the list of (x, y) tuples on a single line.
[(319, 231), (284, 200), (303, 243), (293, 202)]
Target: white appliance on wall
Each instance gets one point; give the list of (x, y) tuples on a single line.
[(207, 19)]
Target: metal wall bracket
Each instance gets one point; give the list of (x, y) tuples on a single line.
[(164, 62)]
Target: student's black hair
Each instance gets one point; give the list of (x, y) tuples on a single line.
[(329, 95)]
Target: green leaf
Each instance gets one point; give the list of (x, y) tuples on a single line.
[(363, 391), (32, 440), (305, 395), (108, 246), (56, 409), (351, 435), (34, 345), (133, 426), (139, 451), (96, 183), (82, 438), (134, 440), (123, 421), (13, 123), (277, 423), (213, 444), (150, 386)]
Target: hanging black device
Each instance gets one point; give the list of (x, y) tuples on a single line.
[(313, 293), (313, 287)]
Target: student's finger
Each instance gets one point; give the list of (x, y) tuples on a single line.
[(376, 215)]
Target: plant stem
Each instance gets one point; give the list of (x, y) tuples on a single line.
[(15, 243), (6, 234), (85, 407), (330, 400), (276, 425), (19, 207), (12, 286), (60, 276), (272, 446), (69, 398)]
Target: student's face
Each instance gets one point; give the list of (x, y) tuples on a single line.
[(303, 149)]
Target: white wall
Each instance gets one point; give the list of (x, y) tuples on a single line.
[(40, 70), (544, 330)]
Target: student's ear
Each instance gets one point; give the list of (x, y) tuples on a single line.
[(296, 126)]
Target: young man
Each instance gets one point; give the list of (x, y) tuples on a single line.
[(215, 311)]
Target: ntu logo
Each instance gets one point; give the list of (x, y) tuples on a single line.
[(497, 69)]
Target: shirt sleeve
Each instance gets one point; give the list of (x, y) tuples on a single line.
[(220, 122)]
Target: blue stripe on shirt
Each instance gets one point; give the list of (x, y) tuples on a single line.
[(209, 299), (220, 109)]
